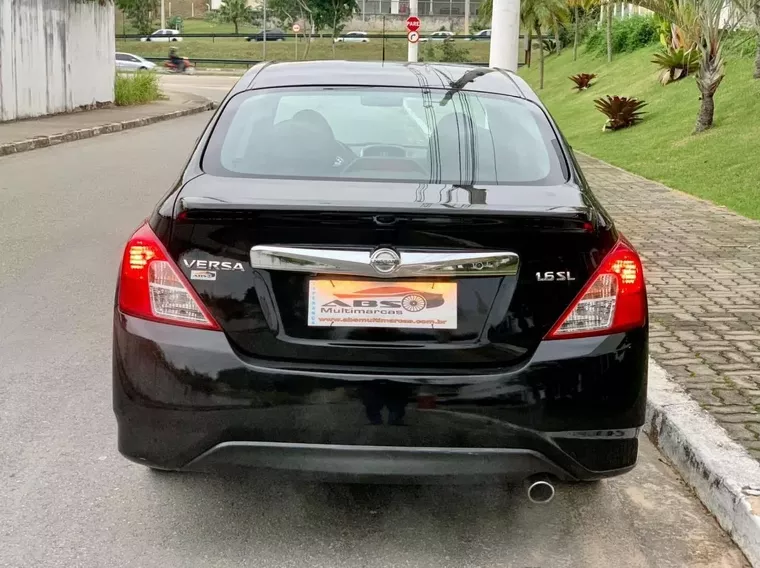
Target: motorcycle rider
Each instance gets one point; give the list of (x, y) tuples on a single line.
[(176, 60)]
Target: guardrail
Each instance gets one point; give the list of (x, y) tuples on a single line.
[(291, 36), (252, 62)]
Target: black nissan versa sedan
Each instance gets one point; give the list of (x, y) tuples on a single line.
[(381, 272)]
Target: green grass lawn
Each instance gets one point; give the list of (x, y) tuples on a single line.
[(238, 48), (720, 165)]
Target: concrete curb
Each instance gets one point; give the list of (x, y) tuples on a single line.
[(724, 476), (83, 133)]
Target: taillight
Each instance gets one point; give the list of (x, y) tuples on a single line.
[(152, 287), (614, 299)]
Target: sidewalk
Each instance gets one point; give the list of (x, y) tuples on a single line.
[(702, 264), (30, 134)]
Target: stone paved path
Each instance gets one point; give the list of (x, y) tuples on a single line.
[(702, 264)]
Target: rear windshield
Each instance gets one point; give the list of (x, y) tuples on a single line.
[(367, 134)]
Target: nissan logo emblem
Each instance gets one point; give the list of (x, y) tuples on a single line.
[(385, 261)]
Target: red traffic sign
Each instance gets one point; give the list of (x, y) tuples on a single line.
[(413, 37), (413, 23)]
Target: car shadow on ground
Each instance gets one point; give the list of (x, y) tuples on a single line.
[(647, 518)]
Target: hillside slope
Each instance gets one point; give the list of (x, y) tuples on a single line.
[(722, 165)]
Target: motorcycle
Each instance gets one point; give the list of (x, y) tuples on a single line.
[(189, 67)]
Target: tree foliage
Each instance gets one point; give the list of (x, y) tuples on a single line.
[(235, 12), (140, 13), (333, 14), (316, 14), (322, 14), (536, 15)]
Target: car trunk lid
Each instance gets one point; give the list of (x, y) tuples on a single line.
[(480, 276)]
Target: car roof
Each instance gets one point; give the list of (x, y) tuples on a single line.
[(384, 74)]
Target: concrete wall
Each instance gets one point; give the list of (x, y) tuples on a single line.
[(55, 56)]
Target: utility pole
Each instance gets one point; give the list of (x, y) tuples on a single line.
[(466, 17), (264, 24), (505, 34), (412, 51), (163, 15)]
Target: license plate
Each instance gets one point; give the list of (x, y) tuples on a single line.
[(362, 303)]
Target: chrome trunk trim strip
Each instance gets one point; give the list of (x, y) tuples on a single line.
[(384, 262)]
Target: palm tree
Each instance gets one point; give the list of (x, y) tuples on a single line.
[(235, 11), (577, 6), (536, 14), (712, 67), (756, 14), (752, 8), (608, 24), (699, 22)]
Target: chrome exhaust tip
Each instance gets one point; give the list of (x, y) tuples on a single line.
[(540, 489)]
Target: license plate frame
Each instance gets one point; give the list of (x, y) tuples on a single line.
[(403, 304)]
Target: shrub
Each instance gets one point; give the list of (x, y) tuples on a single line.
[(567, 33), (427, 53), (676, 63), (628, 34), (137, 88), (450, 53), (621, 112), (582, 80), (739, 43)]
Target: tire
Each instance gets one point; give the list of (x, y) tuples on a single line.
[(413, 303), (143, 69), (174, 39)]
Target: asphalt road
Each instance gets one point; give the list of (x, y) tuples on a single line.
[(213, 87), (67, 499)]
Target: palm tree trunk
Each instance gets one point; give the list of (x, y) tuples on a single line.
[(609, 31), (556, 36), (236, 27), (756, 74), (541, 59), (706, 112), (529, 54), (577, 33), (308, 40)]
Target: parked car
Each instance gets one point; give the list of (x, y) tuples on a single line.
[(352, 37), (438, 36), (131, 62), (482, 35), (163, 35), (366, 272), (272, 35)]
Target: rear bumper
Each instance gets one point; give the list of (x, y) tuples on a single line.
[(185, 400), (378, 462)]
